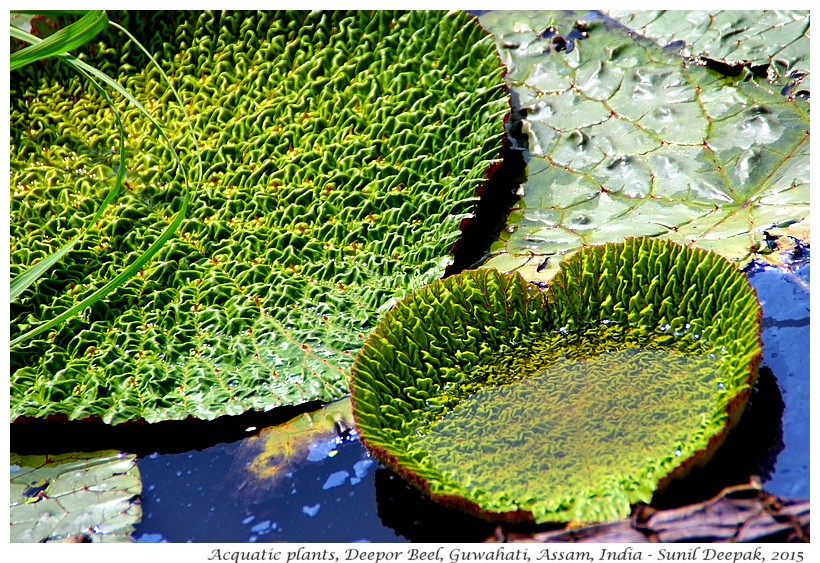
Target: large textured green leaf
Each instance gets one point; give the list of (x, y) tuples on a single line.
[(74, 497), (630, 139), (341, 152), (568, 404)]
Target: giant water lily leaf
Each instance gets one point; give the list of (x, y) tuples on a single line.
[(627, 138), (775, 39), (570, 404), (341, 151), (74, 497)]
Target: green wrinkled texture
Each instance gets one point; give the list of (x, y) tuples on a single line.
[(56, 497), (341, 152), (760, 37), (589, 445), (569, 404), (630, 139)]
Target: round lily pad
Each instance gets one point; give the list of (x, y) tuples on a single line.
[(565, 404)]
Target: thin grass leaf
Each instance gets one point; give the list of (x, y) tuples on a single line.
[(22, 281), (169, 231), (118, 281), (176, 97), (67, 39)]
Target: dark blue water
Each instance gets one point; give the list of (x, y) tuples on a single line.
[(203, 497), (785, 300), (342, 495)]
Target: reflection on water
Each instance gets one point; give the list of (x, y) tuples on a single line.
[(197, 497), (345, 496)]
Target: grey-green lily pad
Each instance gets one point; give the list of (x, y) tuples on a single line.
[(74, 497), (570, 404), (776, 39), (628, 138), (341, 152)]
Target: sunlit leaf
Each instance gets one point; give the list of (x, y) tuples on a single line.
[(630, 139), (571, 404), (341, 153), (74, 497), (775, 39)]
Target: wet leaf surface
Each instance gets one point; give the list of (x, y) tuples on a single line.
[(626, 138), (627, 372), (88, 497), (190, 501)]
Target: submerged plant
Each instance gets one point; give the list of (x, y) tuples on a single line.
[(570, 404), (340, 151)]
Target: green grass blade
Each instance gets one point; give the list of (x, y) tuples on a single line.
[(32, 274), (173, 91), (169, 231), (118, 281), (68, 38), (78, 64)]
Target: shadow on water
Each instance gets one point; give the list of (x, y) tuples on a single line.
[(34, 436), (403, 509)]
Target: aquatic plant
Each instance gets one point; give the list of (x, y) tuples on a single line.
[(567, 404), (74, 497), (685, 126), (340, 151)]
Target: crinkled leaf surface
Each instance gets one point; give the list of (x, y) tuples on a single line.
[(59, 497), (340, 152), (627, 138), (569, 404)]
